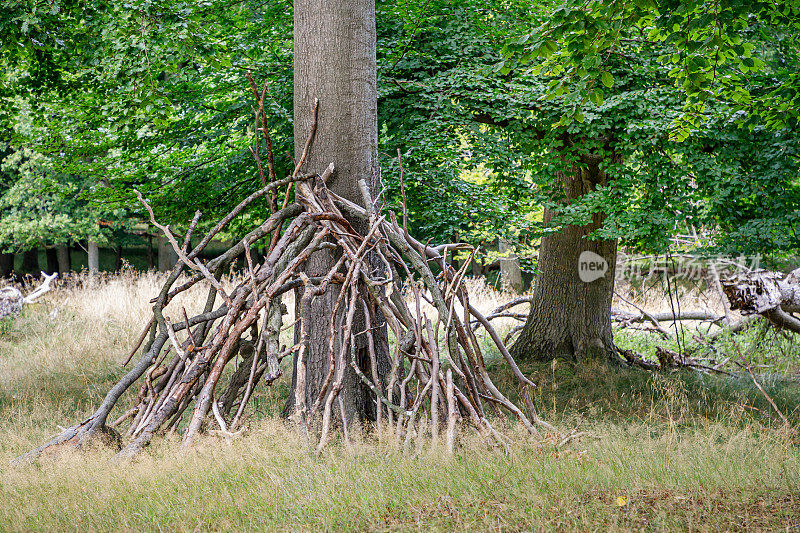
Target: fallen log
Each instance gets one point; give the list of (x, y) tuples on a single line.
[(772, 295), (655, 318), (11, 299), (706, 316)]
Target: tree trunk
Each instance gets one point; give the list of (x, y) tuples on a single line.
[(571, 318), (94, 258), (151, 263), (477, 269), (334, 61), (6, 265), (30, 262), (64, 262), (52, 260), (510, 272), (166, 255), (117, 258)]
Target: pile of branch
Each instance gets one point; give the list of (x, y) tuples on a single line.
[(180, 372)]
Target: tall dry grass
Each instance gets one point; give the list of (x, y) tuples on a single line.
[(70, 346)]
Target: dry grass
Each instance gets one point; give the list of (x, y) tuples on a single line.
[(265, 481), (481, 295), (657, 456)]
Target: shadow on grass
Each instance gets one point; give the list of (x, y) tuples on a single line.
[(568, 390)]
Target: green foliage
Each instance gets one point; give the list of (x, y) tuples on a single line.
[(159, 102), (39, 208), (464, 180), (711, 50), (691, 108), (150, 96), (679, 101)]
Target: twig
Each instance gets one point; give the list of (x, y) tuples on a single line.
[(139, 342), (743, 364)]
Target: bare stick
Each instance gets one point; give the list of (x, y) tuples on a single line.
[(264, 130), (452, 414), (41, 289), (746, 366), (139, 342), (403, 191), (194, 265), (435, 380), (344, 426)]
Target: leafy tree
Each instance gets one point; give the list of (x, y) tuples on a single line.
[(152, 97), (148, 96), (39, 211), (437, 83), (628, 83)]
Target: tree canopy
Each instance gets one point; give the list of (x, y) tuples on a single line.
[(484, 100)]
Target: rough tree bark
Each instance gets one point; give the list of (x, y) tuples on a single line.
[(166, 255), (570, 318), (510, 271), (117, 258), (94, 258), (334, 63), (64, 261)]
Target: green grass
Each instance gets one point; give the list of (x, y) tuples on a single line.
[(660, 451), (593, 391)]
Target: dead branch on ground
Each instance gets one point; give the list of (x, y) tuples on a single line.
[(773, 295), (12, 300)]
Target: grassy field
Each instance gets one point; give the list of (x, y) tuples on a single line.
[(679, 451)]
